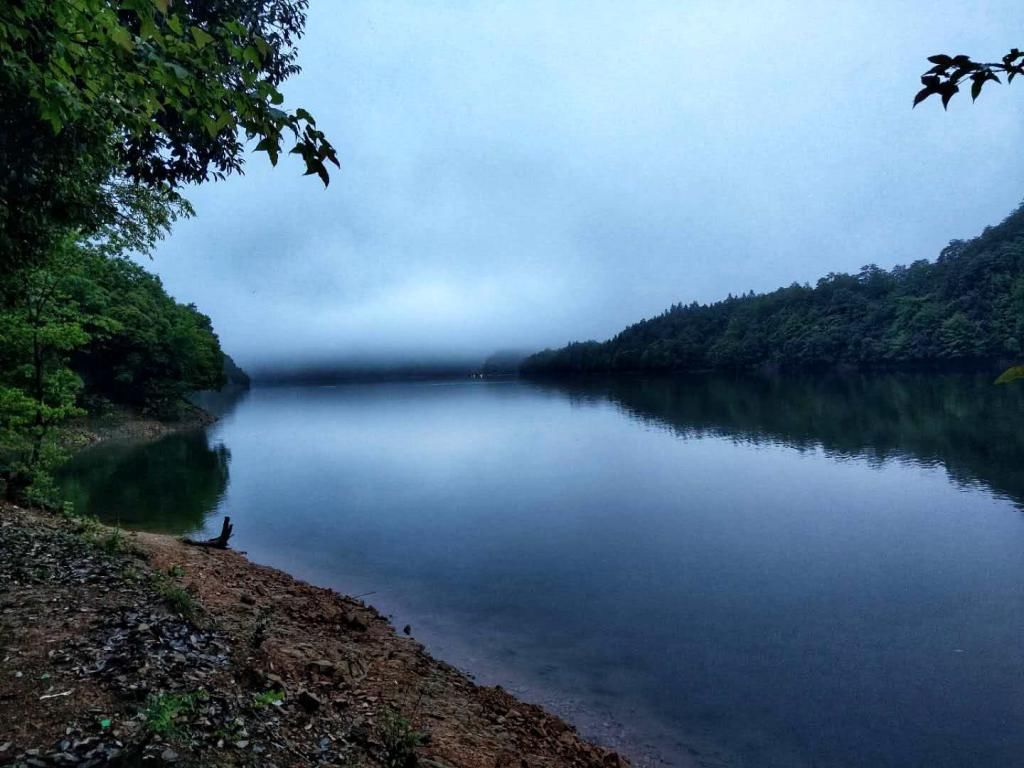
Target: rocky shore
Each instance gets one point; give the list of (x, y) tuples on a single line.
[(129, 649)]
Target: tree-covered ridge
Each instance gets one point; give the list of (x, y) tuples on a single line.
[(85, 329), (966, 308)]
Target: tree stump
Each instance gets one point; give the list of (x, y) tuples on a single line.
[(220, 542)]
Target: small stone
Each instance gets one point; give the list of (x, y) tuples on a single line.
[(407, 629), (169, 756), (352, 621), (323, 667), (248, 599), (308, 701), (242, 744)]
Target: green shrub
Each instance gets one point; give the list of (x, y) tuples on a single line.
[(163, 711), (399, 740)]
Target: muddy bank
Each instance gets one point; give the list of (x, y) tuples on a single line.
[(124, 423), (132, 648)]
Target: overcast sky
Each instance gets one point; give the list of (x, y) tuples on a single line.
[(522, 174)]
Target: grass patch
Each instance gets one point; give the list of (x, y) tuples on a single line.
[(93, 532), (178, 599), (267, 699), (114, 543), (163, 712)]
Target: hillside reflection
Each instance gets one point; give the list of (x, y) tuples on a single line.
[(962, 422), (169, 485)]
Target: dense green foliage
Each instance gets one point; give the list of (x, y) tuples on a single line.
[(149, 350), (107, 109), (85, 328), (107, 103), (234, 375), (965, 309)]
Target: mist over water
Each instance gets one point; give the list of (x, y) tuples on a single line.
[(809, 571)]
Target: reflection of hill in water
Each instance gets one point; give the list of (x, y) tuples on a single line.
[(168, 485), (965, 423)]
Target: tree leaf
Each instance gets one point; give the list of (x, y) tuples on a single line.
[(122, 37), (202, 37), (923, 94), (948, 90), (1011, 374)]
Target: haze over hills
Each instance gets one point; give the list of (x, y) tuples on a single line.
[(510, 181), (364, 369), (964, 309)]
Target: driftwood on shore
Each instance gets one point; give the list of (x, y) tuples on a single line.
[(219, 542)]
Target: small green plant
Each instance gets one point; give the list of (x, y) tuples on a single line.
[(179, 599), (268, 699), (164, 710), (399, 740), (42, 490), (114, 543), (176, 571), (89, 528), (262, 626)]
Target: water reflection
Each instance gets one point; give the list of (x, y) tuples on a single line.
[(770, 571), (960, 422), (169, 485)]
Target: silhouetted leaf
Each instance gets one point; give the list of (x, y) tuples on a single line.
[(923, 94), (948, 91)]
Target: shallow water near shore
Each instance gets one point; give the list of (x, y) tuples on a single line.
[(727, 571)]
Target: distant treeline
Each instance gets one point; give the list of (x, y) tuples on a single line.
[(965, 309)]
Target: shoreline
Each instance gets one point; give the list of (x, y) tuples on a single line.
[(346, 674), (600, 726)]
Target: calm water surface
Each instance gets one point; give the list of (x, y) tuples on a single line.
[(715, 571)]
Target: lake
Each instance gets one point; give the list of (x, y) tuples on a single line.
[(724, 571)]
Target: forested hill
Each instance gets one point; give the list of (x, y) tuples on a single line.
[(966, 308)]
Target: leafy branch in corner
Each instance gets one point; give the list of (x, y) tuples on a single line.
[(950, 72)]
